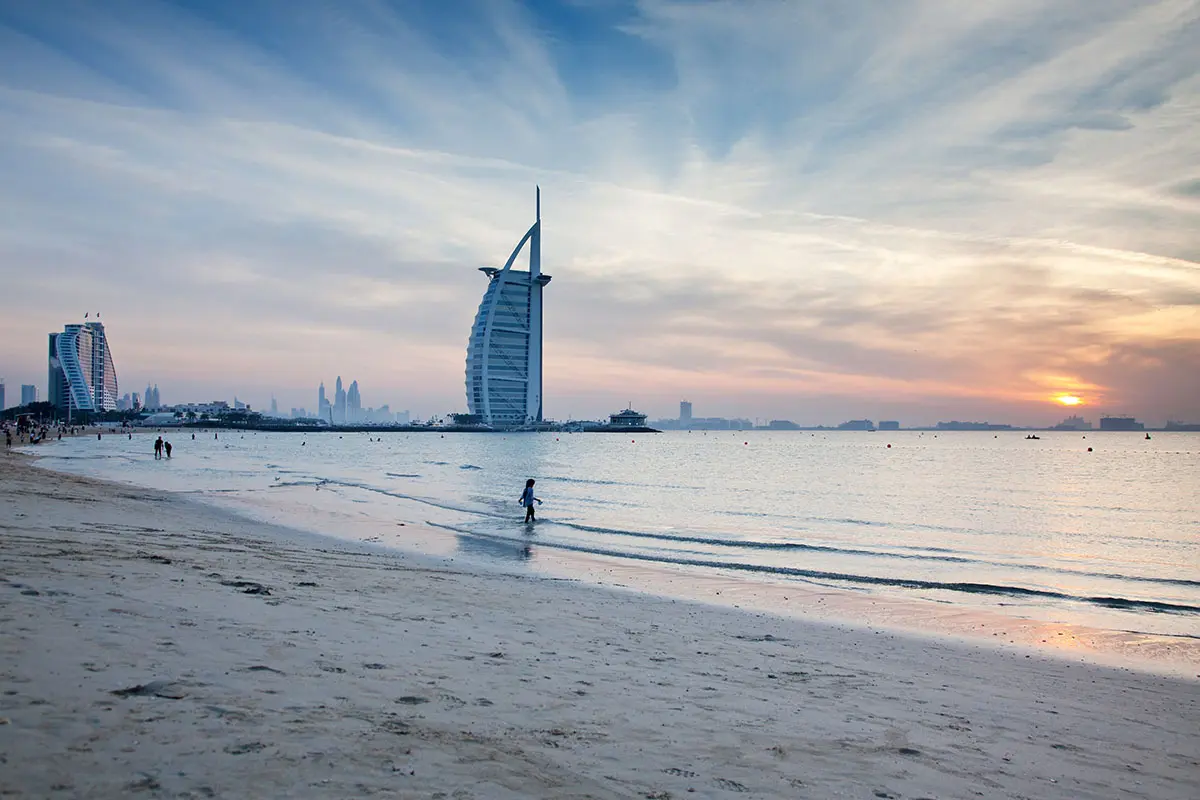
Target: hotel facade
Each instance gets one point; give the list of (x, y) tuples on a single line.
[(504, 355), (82, 376)]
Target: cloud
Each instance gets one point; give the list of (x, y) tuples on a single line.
[(807, 210)]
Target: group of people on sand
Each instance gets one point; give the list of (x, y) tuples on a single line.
[(161, 447), (29, 434)]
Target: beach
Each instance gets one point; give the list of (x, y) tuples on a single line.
[(155, 646)]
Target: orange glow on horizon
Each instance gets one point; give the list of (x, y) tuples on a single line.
[(1069, 400)]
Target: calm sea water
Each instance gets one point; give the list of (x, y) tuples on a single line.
[(1043, 528)]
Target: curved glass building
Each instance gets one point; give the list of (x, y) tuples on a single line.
[(82, 375), (504, 355)]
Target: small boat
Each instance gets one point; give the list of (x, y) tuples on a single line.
[(1147, 436), (1031, 436)]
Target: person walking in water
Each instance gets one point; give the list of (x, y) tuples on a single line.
[(167, 447), (527, 500), (158, 448)]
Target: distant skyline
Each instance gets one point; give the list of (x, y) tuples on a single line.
[(813, 211)]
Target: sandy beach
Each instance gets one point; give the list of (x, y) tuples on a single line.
[(153, 646)]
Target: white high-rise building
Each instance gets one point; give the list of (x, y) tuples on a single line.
[(82, 376), (504, 355)]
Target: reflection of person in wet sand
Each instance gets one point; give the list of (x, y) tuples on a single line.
[(527, 500)]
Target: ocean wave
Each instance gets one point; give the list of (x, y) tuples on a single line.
[(751, 544), (768, 546), (963, 587)]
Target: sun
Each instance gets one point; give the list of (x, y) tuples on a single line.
[(1069, 399)]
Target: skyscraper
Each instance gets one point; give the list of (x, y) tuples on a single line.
[(81, 375), (353, 403), (151, 400), (339, 403), (29, 394), (2, 395), (504, 355), (685, 412)]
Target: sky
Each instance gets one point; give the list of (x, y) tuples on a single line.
[(813, 210)]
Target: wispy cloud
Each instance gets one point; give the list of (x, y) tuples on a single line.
[(805, 210)]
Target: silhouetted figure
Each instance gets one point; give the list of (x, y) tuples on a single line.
[(527, 500), (167, 447), (158, 448)]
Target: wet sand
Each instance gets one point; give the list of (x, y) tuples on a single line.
[(153, 646)]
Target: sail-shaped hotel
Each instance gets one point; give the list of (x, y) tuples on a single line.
[(504, 356)]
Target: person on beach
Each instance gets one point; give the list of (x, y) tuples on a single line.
[(527, 500), (167, 447), (158, 448)]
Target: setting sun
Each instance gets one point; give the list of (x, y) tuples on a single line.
[(1068, 399)]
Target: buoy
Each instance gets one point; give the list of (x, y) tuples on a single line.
[(633, 441), (1089, 449), (889, 447)]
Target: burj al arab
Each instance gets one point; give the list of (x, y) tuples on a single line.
[(504, 356)]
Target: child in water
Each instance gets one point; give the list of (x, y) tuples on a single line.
[(527, 500)]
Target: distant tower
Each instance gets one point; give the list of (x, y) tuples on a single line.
[(504, 355), (353, 403), (685, 411), (339, 402), (274, 407)]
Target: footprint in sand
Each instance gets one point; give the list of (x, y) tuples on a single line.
[(396, 726), (730, 786)]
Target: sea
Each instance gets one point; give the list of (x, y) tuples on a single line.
[(1095, 529)]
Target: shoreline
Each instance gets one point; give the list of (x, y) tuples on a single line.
[(925, 618), (156, 644)]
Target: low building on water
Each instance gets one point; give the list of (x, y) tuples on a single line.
[(628, 419)]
